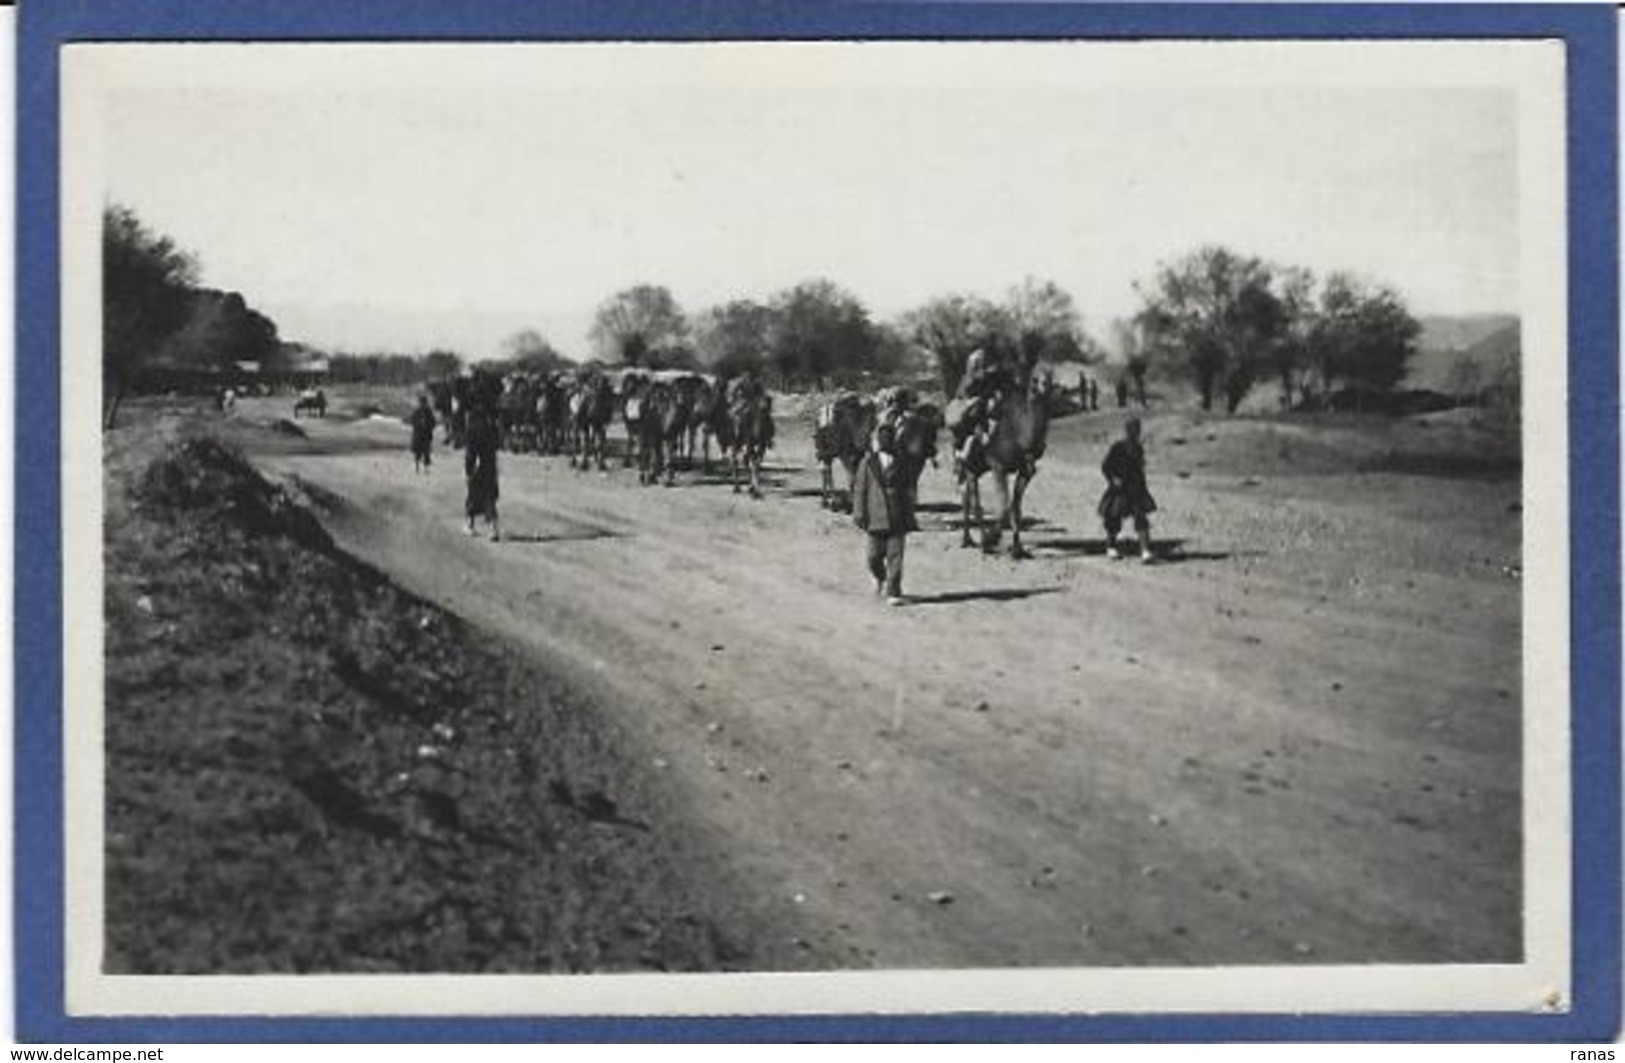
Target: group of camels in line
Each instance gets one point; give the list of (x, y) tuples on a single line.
[(670, 417), (667, 417)]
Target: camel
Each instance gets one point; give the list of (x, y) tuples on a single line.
[(516, 413), (660, 426), (634, 392), (592, 404), (553, 414), (751, 428), (1012, 449), (697, 399), (842, 434)]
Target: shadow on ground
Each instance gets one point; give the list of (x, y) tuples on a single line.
[(1167, 551), (1002, 594)]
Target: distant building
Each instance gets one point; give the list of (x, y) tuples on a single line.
[(299, 366)]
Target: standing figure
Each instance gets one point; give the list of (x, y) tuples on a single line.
[(1126, 494), (480, 466), (422, 422), (1094, 395), (883, 506)]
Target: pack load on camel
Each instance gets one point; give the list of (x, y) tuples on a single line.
[(841, 433), (999, 421), (971, 412), (844, 430), (591, 407)]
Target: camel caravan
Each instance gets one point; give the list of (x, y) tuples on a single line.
[(670, 418), (997, 421)]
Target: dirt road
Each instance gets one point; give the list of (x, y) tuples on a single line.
[(1296, 740)]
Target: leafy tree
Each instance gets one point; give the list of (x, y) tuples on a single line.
[(1362, 335), (221, 330), (438, 365), (1213, 312), (1292, 353), (146, 296), (673, 356), (952, 326), (732, 338), (634, 323), (893, 353), (526, 351), (816, 329)]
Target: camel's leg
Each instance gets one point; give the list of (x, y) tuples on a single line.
[(755, 475), (992, 531), (1016, 549), (967, 489), (826, 497)]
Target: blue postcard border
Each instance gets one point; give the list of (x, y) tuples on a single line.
[(1590, 33)]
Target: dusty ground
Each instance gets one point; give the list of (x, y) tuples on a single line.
[(1295, 740)]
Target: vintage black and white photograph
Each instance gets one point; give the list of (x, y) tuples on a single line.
[(980, 525)]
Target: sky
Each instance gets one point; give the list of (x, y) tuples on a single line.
[(399, 198)]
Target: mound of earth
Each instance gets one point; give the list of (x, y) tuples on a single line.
[(310, 770)]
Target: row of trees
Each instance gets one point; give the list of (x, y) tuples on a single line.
[(1226, 322), (1222, 321), (817, 333), (392, 370), (154, 313)]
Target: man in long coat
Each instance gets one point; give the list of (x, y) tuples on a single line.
[(1126, 495), (883, 506), (480, 467), (422, 422)]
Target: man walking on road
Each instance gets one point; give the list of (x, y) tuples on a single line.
[(480, 466), (1126, 494), (882, 505)]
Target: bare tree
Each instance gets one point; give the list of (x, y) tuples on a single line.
[(952, 326), (1045, 324), (1133, 352)]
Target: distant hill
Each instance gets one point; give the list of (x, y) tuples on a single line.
[(1440, 333), (1488, 339)]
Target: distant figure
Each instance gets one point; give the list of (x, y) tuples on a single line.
[(480, 465), (310, 400), (422, 422), (1094, 395), (883, 507), (1126, 494), (228, 400), (1122, 392)]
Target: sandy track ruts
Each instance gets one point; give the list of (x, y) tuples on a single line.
[(1272, 752)]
